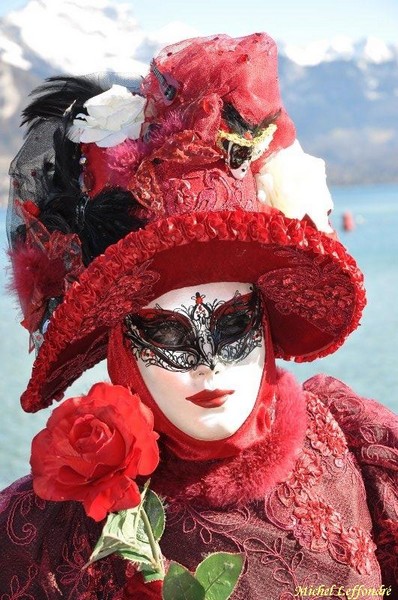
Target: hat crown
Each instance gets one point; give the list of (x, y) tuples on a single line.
[(224, 108)]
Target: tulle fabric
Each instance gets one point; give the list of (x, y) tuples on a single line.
[(239, 71)]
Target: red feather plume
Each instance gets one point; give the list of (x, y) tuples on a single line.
[(36, 278)]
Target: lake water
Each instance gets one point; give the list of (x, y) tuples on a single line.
[(367, 361)]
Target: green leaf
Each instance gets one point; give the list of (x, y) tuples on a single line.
[(139, 552), (109, 540), (180, 584), (102, 551), (132, 517), (219, 573), (137, 555), (155, 510), (126, 533)]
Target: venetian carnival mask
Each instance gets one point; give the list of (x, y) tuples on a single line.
[(200, 352)]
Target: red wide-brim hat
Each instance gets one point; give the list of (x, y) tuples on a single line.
[(311, 287), (102, 223)]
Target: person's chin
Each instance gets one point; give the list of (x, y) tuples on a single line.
[(213, 431), (219, 421)]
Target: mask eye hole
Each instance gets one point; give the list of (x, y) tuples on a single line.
[(168, 334), (163, 329), (234, 325), (235, 319)]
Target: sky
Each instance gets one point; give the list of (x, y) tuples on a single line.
[(293, 21)]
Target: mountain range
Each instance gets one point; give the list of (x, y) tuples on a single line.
[(341, 94)]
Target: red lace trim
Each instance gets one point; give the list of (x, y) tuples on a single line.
[(309, 289), (111, 278)]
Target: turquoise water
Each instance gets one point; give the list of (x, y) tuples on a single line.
[(367, 362)]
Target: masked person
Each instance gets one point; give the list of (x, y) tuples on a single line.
[(180, 231)]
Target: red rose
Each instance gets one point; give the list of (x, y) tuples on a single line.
[(93, 448)]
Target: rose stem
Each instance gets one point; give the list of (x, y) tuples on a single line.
[(152, 543)]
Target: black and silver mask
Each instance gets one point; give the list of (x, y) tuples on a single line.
[(200, 334)]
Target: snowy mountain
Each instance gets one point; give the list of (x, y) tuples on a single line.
[(81, 37), (49, 37), (369, 50), (347, 112), (342, 94)]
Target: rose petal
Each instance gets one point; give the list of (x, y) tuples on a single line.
[(130, 498), (134, 130), (112, 453), (116, 93), (53, 491), (109, 141), (89, 434), (70, 477), (117, 120), (112, 116), (149, 459), (41, 444), (61, 416), (79, 465), (295, 183), (92, 134), (123, 494)]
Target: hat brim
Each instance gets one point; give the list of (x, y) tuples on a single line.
[(312, 288)]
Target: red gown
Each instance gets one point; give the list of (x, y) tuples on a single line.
[(331, 520)]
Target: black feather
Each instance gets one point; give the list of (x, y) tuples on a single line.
[(57, 94), (237, 123), (99, 221), (108, 217), (267, 121), (234, 119)]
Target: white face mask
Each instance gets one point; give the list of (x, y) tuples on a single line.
[(201, 354)]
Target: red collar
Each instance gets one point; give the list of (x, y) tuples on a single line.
[(248, 475)]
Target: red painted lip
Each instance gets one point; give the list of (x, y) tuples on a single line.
[(210, 398)]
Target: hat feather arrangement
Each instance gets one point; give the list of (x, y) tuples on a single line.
[(64, 204), (61, 206)]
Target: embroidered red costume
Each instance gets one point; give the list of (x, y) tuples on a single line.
[(318, 525)]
